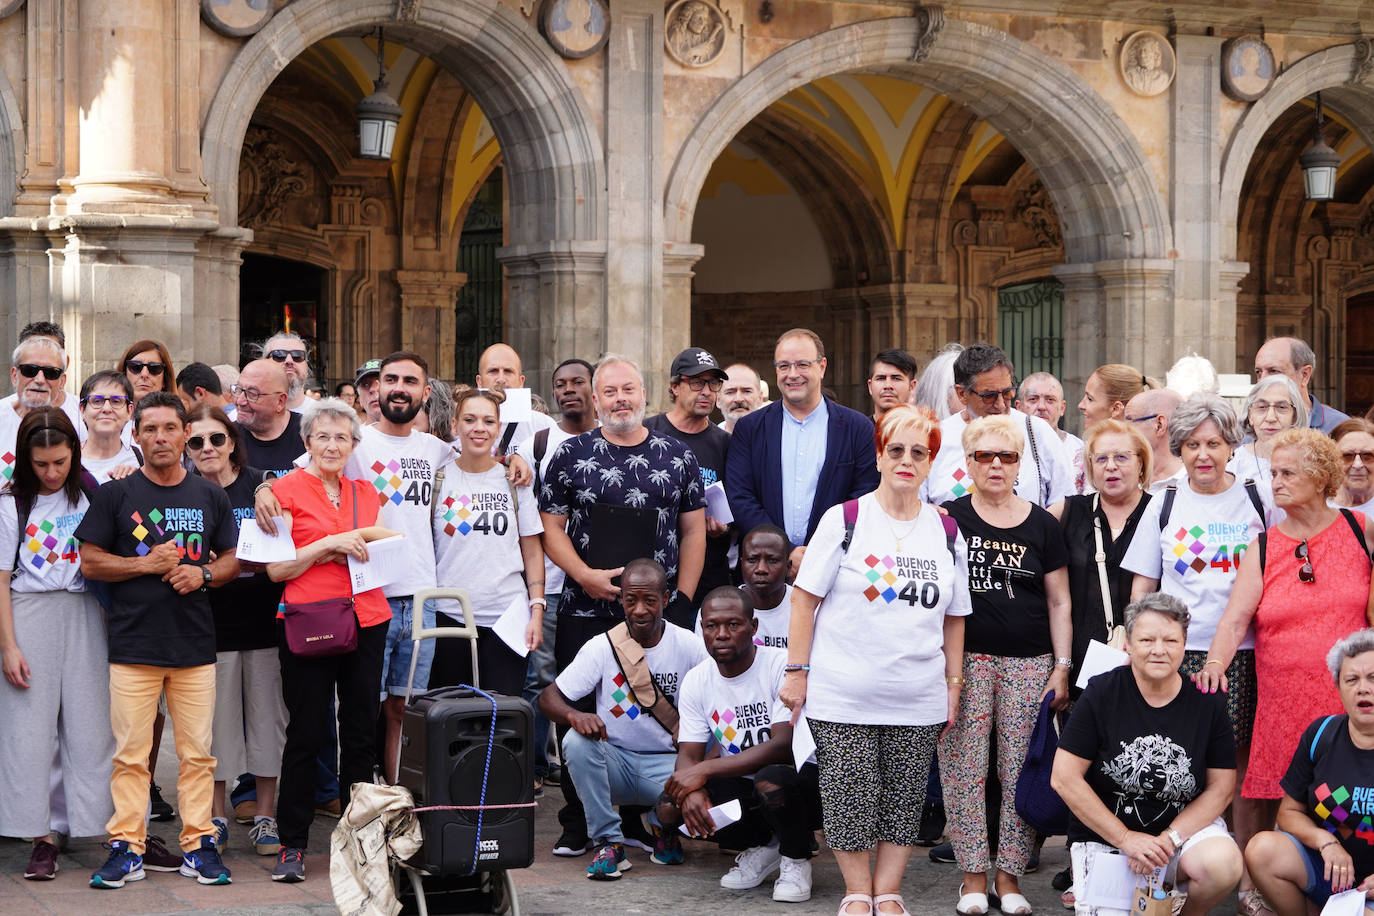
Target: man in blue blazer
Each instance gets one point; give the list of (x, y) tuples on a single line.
[(800, 455)]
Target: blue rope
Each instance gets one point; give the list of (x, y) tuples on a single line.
[(486, 770)]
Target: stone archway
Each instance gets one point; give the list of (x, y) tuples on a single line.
[(1117, 233), (1324, 71), (12, 146), (547, 135)]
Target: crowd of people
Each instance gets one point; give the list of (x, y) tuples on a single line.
[(901, 592)]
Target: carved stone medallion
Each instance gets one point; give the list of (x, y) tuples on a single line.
[(575, 28), (1247, 68), (9, 6), (694, 33), (236, 18), (1146, 63)]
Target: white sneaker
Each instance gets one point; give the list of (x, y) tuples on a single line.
[(751, 867), (794, 881)]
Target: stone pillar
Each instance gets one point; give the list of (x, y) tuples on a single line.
[(427, 315), (637, 324), (555, 304), (675, 305), (23, 281), (216, 328)]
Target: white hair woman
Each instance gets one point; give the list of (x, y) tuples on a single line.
[(1274, 404)]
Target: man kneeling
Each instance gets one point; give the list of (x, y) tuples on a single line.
[(623, 753), (731, 701)]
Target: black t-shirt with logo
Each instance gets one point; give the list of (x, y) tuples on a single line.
[(148, 622), (245, 609), (277, 455), (1336, 789), (1006, 580), (1148, 763), (710, 446)]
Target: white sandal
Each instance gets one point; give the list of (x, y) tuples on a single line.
[(855, 898), (1014, 905), (889, 898), (971, 904)]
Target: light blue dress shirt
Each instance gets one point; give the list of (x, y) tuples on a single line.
[(803, 455)]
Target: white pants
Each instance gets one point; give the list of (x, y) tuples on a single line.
[(250, 714)]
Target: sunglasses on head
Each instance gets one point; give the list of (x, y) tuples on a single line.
[(281, 355), (136, 366), (985, 456), (29, 370), (196, 443), (1306, 575)]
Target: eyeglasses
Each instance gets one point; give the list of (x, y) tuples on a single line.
[(1366, 458), (990, 397), (100, 400), (984, 456), (281, 355), (1148, 416), (897, 452), (135, 366), (800, 365), (696, 383), (1305, 573), (196, 443), (251, 395), (1280, 408), (51, 373), (1119, 458), (330, 438)]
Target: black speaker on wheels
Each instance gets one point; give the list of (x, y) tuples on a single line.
[(444, 737)]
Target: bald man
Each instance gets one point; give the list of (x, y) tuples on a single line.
[(270, 430), (1294, 358), (1150, 411), (499, 368)]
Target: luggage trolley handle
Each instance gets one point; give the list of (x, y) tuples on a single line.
[(419, 631)]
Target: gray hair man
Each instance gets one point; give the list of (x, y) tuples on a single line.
[(288, 350), (741, 395), (1042, 395), (1294, 358)]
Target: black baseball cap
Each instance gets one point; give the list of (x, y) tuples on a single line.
[(371, 367), (695, 361)]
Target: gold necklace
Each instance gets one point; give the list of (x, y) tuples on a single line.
[(892, 529)]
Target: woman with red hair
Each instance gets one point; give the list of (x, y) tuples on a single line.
[(875, 653)]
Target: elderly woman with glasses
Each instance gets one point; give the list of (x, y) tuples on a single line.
[(1189, 544), (1274, 404), (1321, 846), (1017, 645), (1302, 585), (324, 510), (1355, 439)]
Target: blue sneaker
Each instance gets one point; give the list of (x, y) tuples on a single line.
[(204, 864), (221, 831), (609, 863), (123, 865), (264, 836)]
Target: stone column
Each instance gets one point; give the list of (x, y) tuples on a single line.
[(555, 304), (427, 315), (215, 331), (23, 280)]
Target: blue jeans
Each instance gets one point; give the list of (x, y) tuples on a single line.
[(607, 775), (399, 645), (539, 675)]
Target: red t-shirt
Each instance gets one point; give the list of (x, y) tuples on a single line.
[(313, 517)]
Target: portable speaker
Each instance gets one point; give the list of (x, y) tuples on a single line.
[(443, 752)]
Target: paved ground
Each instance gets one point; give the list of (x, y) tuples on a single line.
[(550, 886)]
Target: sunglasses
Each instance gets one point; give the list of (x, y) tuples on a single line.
[(134, 367), (100, 400), (985, 456), (281, 355), (51, 373), (196, 443), (1365, 457), (990, 397), (1305, 572)]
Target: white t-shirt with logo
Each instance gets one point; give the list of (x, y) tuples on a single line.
[(553, 575), (1245, 463), (733, 713), (773, 622), (402, 471), (950, 479), (477, 540), (595, 670), (49, 554), (1196, 556), (877, 654)]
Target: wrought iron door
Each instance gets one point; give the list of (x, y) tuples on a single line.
[(479, 316), (1030, 327)]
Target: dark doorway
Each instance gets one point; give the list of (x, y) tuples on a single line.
[(1030, 327), (1359, 354), (478, 322), (280, 295)]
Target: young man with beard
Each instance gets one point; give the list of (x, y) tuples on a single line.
[(401, 463), (692, 387), (621, 754), (572, 389), (890, 381), (731, 701), (621, 467)]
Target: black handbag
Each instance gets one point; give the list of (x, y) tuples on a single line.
[(1036, 801)]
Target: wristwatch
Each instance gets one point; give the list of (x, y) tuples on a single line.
[(1174, 838), (209, 576)]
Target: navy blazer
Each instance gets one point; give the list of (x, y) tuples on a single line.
[(753, 467)]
